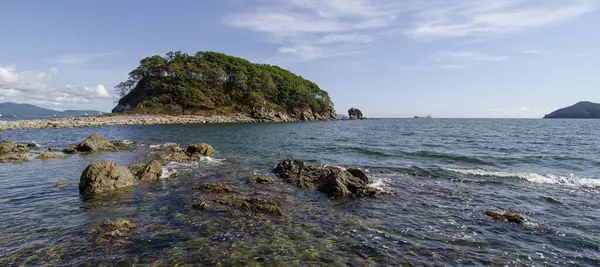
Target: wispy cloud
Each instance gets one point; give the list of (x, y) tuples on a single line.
[(311, 29), (466, 18), (76, 59), (466, 55)]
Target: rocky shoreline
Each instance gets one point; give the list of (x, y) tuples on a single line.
[(111, 120)]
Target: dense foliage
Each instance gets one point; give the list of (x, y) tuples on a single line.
[(581, 110), (180, 83)]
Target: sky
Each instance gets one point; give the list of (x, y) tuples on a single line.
[(390, 58)]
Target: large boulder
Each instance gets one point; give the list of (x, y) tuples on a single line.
[(9, 152), (151, 172), (200, 149), (355, 114), (100, 177), (334, 181), (95, 143)]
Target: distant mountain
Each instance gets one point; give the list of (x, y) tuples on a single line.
[(28, 110), (581, 110)]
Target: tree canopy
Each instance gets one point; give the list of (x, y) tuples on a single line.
[(180, 83)]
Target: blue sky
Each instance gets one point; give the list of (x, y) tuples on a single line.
[(390, 58)]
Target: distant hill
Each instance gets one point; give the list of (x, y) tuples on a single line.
[(581, 110), (28, 110)]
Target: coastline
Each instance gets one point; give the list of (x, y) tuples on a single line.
[(114, 120)]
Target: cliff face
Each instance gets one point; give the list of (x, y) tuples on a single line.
[(213, 83), (581, 110)]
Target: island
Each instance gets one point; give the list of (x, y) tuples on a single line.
[(211, 83), (581, 110)]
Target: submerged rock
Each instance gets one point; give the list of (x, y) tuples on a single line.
[(228, 201), (107, 230), (9, 152), (333, 181), (50, 155), (122, 145), (151, 172), (263, 180), (104, 176), (506, 216), (60, 186), (200, 149), (218, 188)]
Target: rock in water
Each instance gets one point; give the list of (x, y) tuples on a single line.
[(333, 181), (202, 149), (151, 172), (262, 180), (355, 114), (9, 152), (104, 176), (506, 216), (95, 143), (50, 155)]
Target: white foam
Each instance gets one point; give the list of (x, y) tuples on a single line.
[(212, 161), (166, 172), (165, 145), (127, 142), (571, 180)]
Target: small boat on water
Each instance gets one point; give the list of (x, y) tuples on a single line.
[(423, 117)]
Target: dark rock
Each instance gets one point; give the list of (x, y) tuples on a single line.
[(9, 152), (122, 146), (200, 149), (263, 180), (506, 216), (333, 181), (581, 110), (105, 176), (217, 188), (355, 114), (359, 174), (69, 150), (151, 172)]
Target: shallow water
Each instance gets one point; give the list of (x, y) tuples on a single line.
[(445, 173)]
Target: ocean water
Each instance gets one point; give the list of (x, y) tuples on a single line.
[(443, 174)]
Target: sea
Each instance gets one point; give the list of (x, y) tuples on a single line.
[(435, 177)]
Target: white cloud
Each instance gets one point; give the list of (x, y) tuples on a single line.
[(76, 59), (311, 29), (465, 55), (35, 88), (464, 18)]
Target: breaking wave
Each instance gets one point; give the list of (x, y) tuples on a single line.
[(571, 180)]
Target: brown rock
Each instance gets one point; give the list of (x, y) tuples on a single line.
[(95, 143), (263, 180), (111, 229), (50, 155), (60, 186), (201, 149), (217, 188), (151, 172), (9, 152), (105, 176)]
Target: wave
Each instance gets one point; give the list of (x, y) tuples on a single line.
[(367, 152), (165, 145), (452, 157), (571, 180)]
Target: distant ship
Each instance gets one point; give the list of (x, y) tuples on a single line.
[(423, 117)]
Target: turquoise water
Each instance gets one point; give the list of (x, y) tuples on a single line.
[(444, 174)]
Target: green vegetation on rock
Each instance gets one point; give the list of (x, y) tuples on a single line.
[(215, 83)]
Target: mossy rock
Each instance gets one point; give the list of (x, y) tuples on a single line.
[(263, 180), (110, 229), (50, 155), (217, 188)]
